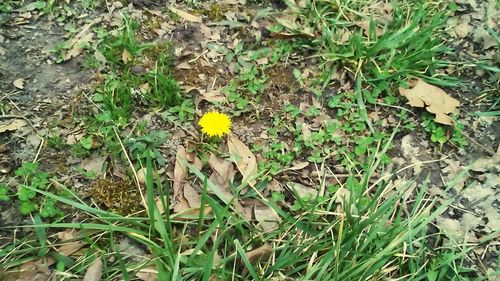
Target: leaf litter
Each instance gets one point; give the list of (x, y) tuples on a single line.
[(224, 171)]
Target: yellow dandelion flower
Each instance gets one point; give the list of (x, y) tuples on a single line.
[(215, 124)]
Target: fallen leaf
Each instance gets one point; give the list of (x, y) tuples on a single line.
[(19, 83), (94, 271), (297, 167), (78, 42), (74, 138), (306, 132), (69, 248), (223, 174), (268, 219), (408, 147), (486, 163), (305, 192), (192, 196), (261, 253), (434, 99), (244, 159), (32, 271), (180, 170), (94, 165), (184, 65), (148, 274), (12, 125), (185, 15), (67, 234), (126, 56), (78, 46), (481, 35), (462, 30), (454, 230)]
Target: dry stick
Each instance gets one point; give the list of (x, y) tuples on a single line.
[(136, 177), (478, 144), (11, 116), (402, 169), (39, 148)]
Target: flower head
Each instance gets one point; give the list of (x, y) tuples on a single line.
[(215, 124)]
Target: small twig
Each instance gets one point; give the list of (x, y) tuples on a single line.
[(39, 148), (395, 106), (401, 170), (11, 116), (199, 56), (478, 144), (136, 177)]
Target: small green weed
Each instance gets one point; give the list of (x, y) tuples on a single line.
[(442, 134), (29, 202)]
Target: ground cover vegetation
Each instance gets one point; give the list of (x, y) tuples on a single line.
[(251, 140)]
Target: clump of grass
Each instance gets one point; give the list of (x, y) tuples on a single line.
[(124, 89), (408, 42), (333, 236)]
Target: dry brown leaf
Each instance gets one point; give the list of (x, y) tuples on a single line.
[(67, 234), (486, 163), (70, 248), (244, 159), (94, 272), (32, 271), (481, 35), (185, 15), (434, 99), (268, 219), (223, 174), (261, 253), (462, 30), (94, 165), (78, 46), (180, 170), (12, 125), (81, 39), (299, 166), (184, 65), (192, 196), (148, 274), (126, 56), (19, 83), (303, 191), (142, 173)]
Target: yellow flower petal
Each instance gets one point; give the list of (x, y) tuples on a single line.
[(215, 124)]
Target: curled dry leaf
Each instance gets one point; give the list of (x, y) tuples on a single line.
[(79, 41), (244, 159), (70, 248), (94, 272), (223, 174), (94, 165), (180, 170), (185, 15), (31, 271), (19, 83), (126, 57), (12, 125), (192, 196), (434, 99), (261, 253)]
